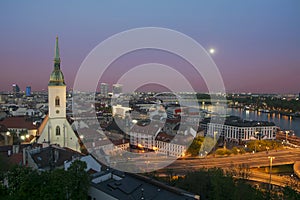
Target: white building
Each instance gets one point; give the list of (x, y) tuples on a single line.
[(55, 129), (241, 130), (170, 145), (150, 137), (120, 111), (144, 136)]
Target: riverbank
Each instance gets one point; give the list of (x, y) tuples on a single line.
[(288, 114)]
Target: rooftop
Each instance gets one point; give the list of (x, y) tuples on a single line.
[(52, 155), (132, 186), (237, 121), (20, 122), (150, 129)]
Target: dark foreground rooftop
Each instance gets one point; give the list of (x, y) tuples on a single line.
[(132, 186)]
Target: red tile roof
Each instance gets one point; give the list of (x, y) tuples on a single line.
[(20, 122)]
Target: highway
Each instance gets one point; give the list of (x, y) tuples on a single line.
[(264, 177), (287, 156), (183, 165), (259, 159)]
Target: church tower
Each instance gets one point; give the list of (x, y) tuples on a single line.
[(57, 89), (55, 128)]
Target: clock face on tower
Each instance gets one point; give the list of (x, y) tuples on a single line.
[(57, 111)]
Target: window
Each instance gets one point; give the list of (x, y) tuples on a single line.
[(57, 130), (57, 103)]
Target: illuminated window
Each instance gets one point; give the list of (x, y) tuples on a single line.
[(57, 130), (57, 101)]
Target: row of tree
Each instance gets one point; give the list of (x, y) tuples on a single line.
[(216, 184), (25, 183), (269, 103), (199, 143)]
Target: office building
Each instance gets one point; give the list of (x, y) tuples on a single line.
[(117, 88), (104, 89), (28, 91)]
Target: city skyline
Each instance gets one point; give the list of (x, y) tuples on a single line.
[(256, 43)]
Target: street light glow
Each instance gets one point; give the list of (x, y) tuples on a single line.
[(211, 50)]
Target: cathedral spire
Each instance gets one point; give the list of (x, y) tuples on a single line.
[(56, 77), (57, 57)]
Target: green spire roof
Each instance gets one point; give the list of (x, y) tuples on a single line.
[(56, 77), (57, 57)]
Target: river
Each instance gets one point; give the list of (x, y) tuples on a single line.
[(282, 121)]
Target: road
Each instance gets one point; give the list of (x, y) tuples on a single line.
[(264, 177), (260, 159), (287, 156)]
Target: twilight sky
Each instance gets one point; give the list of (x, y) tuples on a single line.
[(257, 42)]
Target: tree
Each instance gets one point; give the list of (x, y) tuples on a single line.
[(290, 194), (214, 184), (26, 183), (194, 148), (80, 184)]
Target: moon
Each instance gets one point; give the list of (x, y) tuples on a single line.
[(211, 50)]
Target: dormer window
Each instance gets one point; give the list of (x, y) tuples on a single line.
[(57, 102)]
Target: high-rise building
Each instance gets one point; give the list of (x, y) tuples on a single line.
[(28, 91), (117, 88), (104, 89), (15, 89), (57, 129)]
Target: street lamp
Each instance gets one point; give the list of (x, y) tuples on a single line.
[(270, 171)]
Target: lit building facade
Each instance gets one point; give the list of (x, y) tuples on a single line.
[(55, 129), (241, 131)]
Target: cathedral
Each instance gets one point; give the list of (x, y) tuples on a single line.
[(55, 129)]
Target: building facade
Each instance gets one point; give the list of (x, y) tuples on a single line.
[(104, 89), (28, 91), (56, 129), (117, 88), (241, 131)]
